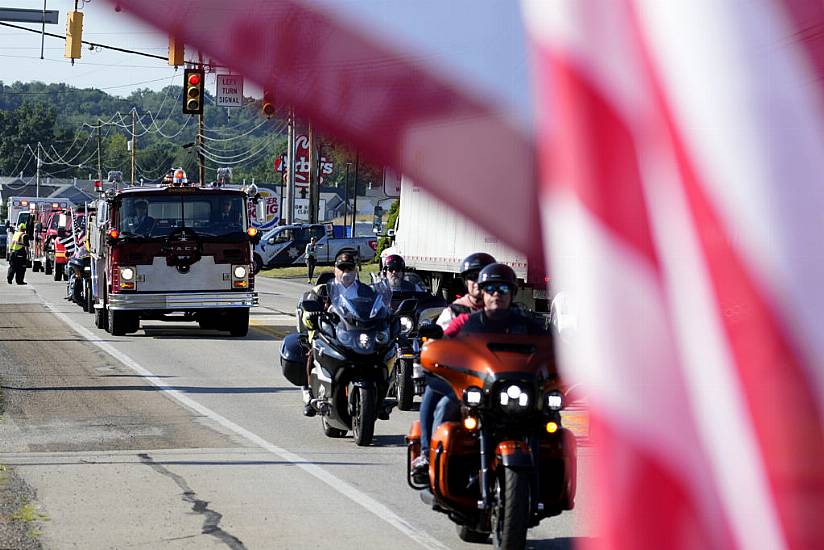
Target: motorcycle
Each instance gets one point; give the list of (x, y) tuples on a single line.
[(408, 380), (353, 353), (507, 463), (78, 287)]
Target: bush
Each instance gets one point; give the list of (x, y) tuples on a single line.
[(391, 218)]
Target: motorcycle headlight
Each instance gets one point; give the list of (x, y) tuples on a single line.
[(382, 337), (555, 401), (240, 271), (407, 324), (364, 341), (345, 337), (473, 396), (514, 397)]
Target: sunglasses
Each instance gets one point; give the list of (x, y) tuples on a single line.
[(501, 288), (394, 270)]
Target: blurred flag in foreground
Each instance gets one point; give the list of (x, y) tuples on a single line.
[(682, 153), (681, 148)]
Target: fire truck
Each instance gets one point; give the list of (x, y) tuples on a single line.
[(47, 253), (174, 252), (25, 210)]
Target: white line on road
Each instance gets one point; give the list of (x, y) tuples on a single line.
[(342, 487)]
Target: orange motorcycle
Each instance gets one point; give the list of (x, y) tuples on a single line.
[(507, 463)]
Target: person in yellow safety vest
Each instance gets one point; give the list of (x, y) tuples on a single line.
[(18, 257)]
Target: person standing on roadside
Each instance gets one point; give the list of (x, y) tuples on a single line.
[(18, 256), (311, 257)]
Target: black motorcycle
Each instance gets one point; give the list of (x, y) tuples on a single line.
[(407, 379), (353, 352), (79, 285)]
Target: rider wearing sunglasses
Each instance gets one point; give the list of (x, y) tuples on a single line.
[(394, 269), (473, 300), (498, 286)]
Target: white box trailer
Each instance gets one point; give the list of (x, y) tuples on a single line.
[(433, 239)]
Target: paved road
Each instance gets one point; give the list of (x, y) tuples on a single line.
[(180, 438)]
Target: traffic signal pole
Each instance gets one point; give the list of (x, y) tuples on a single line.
[(99, 161), (134, 145), (201, 172)]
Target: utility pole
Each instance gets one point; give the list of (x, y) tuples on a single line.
[(355, 194), (134, 144), (38, 170), (313, 177), (99, 161), (290, 180), (200, 129), (346, 194)]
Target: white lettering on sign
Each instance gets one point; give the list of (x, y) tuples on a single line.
[(229, 91)]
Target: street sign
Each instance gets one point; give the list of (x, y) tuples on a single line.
[(229, 91), (14, 15), (302, 209)]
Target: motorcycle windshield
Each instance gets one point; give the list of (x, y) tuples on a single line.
[(361, 310)]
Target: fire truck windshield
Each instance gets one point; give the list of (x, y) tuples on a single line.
[(213, 215)]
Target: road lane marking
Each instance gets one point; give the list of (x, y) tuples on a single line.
[(339, 485)]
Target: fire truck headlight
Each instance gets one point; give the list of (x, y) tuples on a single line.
[(127, 274), (240, 272)]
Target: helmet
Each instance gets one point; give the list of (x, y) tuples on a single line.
[(475, 262), (22, 226), (394, 262), (498, 273)]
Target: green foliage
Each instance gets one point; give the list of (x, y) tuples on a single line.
[(391, 218), (55, 114)]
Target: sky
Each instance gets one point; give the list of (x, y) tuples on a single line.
[(114, 72)]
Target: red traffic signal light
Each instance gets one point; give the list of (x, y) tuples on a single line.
[(193, 95), (268, 106)]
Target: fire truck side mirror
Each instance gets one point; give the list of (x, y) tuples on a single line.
[(260, 210)]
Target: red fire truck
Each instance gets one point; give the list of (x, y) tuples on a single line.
[(175, 252), (48, 253)]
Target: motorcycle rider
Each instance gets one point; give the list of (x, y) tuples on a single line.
[(18, 256), (473, 299), (498, 285), (394, 269), (346, 277)]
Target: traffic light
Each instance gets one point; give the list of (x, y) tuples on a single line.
[(74, 35), (268, 104), (193, 80), (176, 51)]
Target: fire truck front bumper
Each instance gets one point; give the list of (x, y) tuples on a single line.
[(181, 301)]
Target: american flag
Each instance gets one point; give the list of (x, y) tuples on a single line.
[(680, 145), (77, 233)]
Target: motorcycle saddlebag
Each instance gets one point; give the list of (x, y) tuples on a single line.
[(293, 358)]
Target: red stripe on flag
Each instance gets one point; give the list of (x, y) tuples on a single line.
[(782, 406), (594, 155), (645, 504)]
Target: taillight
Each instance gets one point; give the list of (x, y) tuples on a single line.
[(373, 244)]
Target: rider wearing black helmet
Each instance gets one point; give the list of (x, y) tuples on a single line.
[(472, 301), (498, 285), (394, 269)]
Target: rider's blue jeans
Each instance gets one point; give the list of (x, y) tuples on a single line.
[(438, 405)]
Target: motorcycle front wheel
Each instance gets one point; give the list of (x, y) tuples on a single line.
[(510, 515), (364, 414)]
